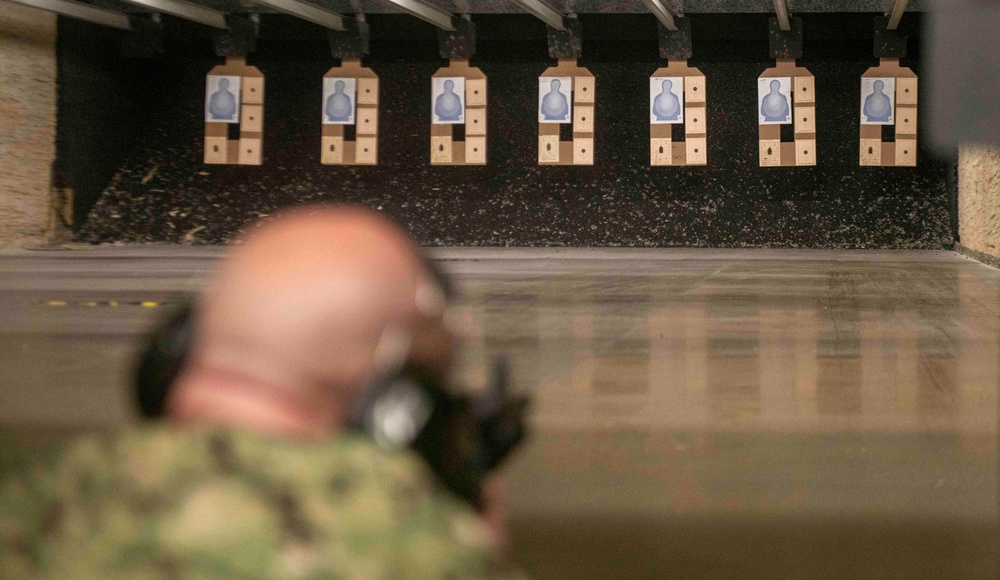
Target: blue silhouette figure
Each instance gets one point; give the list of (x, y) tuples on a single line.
[(666, 105), (775, 105), (448, 106), (878, 107), (222, 103), (555, 107), (338, 105)]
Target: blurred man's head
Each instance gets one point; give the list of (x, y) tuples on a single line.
[(313, 306)]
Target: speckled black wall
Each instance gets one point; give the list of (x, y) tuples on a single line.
[(164, 193), (103, 100)]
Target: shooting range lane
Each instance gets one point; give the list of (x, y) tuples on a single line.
[(698, 413), (163, 191)]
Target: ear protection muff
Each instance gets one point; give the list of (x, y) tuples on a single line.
[(461, 438), (162, 358)]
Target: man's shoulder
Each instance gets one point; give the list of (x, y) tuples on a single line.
[(161, 455), (201, 500)]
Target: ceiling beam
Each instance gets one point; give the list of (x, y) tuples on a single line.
[(662, 14), (438, 18), (543, 12), (81, 11), (307, 12), (185, 10), (781, 9), (895, 13)]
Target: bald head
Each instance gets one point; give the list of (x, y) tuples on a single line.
[(308, 310)]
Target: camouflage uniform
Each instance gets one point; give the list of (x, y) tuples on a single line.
[(159, 502)]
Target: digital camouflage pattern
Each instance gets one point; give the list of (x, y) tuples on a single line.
[(159, 502)]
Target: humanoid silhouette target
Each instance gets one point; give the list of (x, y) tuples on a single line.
[(666, 100), (878, 100), (339, 101), (222, 99)]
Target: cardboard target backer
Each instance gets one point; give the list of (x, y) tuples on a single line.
[(786, 95), (566, 94), (234, 95), (350, 97), (677, 97), (888, 99), (458, 115)]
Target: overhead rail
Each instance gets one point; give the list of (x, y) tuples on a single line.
[(307, 12), (781, 9), (662, 14), (81, 11), (543, 12), (186, 10), (895, 13), (438, 18)]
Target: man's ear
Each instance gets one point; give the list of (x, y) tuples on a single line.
[(162, 358)]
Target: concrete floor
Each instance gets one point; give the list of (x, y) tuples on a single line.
[(698, 413)]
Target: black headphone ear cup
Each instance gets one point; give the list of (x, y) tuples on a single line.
[(411, 408), (161, 360)]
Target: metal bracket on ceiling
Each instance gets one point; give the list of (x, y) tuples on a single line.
[(676, 44), (459, 43), (785, 44), (888, 42), (239, 38), (352, 41), (566, 42)]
